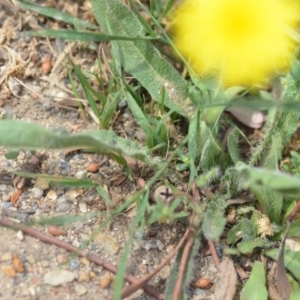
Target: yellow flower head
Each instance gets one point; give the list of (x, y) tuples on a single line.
[(241, 42)]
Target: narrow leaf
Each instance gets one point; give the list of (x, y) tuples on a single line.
[(255, 288), (75, 35), (55, 14), (21, 135)]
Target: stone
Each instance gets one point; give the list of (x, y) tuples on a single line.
[(7, 256), (37, 192), (81, 174), (20, 235), (52, 195), (83, 207), (58, 277), (80, 289)]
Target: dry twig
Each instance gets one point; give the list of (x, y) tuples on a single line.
[(90, 256)]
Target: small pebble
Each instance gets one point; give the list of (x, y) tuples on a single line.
[(32, 291), (46, 106), (41, 183), (7, 256), (61, 258), (105, 280), (31, 259), (6, 198), (58, 277), (123, 103), (93, 167), (80, 289), (74, 193), (83, 207), (60, 96), (85, 261), (20, 235), (3, 187), (63, 205), (55, 230), (45, 263), (84, 276), (37, 192), (76, 243), (147, 246), (46, 65), (203, 283), (159, 245), (74, 264), (81, 174), (52, 195), (6, 205)]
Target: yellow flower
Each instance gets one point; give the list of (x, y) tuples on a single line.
[(240, 42)]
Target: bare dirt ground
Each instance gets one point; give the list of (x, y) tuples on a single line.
[(30, 91)]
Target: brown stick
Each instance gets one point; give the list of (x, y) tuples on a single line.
[(182, 266), (134, 287), (293, 213), (90, 256), (214, 253)]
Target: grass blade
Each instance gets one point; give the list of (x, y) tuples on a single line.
[(56, 14)]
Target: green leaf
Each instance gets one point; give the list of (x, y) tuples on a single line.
[(21, 135), (214, 220), (63, 220), (108, 110), (255, 288), (273, 180), (248, 246), (233, 147), (294, 230), (245, 229), (206, 178), (56, 180), (119, 280), (12, 153), (87, 88), (209, 147), (281, 124), (78, 35), (56, 14), (140, 58), (291, 260)]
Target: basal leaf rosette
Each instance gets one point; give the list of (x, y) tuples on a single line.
[(240, 42)]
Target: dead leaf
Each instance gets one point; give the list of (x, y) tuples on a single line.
[(18, 264), (272, 284), (9, 271), (283, 285), (16, 195), (241, 272), (226, 282)]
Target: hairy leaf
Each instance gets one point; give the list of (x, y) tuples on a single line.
[(140, 58)]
